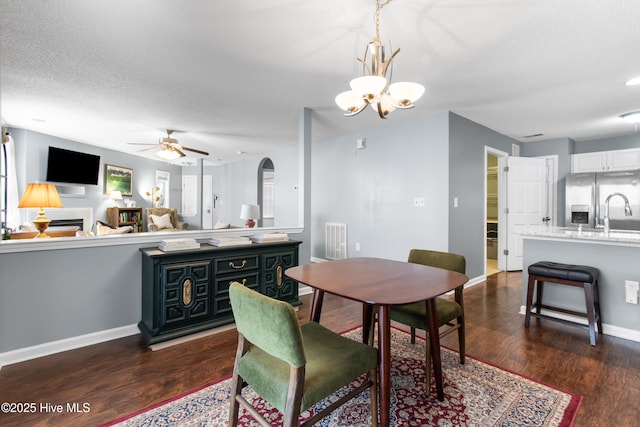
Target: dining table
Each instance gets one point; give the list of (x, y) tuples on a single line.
[(381, 283)]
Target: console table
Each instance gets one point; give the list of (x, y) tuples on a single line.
[(187, 291)]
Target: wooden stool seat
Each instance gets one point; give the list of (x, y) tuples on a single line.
[(565, 274)]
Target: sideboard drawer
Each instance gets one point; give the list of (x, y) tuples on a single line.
[(237, 263)]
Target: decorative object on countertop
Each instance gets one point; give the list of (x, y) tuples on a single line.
[(169, 245), (270, 237), (40, 196), (250, 213), (573, 275)]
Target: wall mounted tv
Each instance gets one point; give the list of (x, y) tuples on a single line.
[(72, 167)]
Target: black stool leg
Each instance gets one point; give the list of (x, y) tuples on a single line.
[(588, 294), (539, 290), (527, 311), (596, 302)]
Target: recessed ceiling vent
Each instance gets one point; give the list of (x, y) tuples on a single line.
[(534, 135)]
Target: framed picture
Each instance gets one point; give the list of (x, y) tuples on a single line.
[(117, 178)]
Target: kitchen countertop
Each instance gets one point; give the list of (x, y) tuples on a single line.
[(587, 235)]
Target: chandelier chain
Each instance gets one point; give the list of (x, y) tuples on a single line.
[(379, 7)]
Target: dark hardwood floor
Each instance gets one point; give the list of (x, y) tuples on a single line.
[(123, 376)]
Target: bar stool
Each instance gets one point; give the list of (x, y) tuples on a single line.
[(565, 274)]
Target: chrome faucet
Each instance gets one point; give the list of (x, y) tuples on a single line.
[(627, 209)]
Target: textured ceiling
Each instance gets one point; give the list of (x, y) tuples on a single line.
[(233, 75)]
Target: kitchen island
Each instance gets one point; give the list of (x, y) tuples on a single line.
[(616, 254)]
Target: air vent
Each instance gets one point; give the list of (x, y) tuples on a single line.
[(535, 135)]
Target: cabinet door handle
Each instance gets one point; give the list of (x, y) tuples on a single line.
[(238, 267), (244, 282), (279, 275)]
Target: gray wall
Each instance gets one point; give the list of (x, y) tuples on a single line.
[(372, 190), (467, 141), (606, 144)]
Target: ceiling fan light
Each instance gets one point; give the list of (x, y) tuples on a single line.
[(350, 101), (168, 154), (368, 87), (633, 117), (406, 93)]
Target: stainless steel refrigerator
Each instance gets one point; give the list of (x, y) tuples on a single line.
[(588, 194)]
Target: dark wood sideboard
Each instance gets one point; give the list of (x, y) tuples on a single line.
[(187, 291)]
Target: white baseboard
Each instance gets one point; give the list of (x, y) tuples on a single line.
[(28, 353), (614, 331)]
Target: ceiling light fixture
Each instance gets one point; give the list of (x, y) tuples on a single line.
[(373, 88), (169, 153), (633, 117), (633, 82)]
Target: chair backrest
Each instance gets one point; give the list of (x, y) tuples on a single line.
[(446, 260), (173, 214), (270, 324)]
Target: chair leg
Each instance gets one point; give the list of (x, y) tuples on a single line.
[(373, 393), (427, 369), (236, 384), (413, 335), (294, 397), (461, 339)]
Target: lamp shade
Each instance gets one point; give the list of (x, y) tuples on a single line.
[(115, 195), (40, 196), (250, 212), (406, 93), (350, 101)]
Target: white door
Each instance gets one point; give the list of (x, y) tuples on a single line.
[(526, 204), (207, 202)]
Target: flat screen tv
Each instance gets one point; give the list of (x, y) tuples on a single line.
[(72, 167)]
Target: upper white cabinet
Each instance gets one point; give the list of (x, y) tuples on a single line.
[(600, 161)]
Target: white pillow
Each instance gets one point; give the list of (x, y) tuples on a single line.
[(220, 224), (162, 222), (102, 230)]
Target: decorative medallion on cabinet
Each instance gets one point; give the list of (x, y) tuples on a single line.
[(184, 292)]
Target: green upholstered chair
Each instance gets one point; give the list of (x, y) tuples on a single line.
[(450, 313), (293, 366)]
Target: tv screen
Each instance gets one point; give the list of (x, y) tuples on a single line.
[(72, 167)]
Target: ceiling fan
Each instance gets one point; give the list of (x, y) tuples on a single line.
[(170, 148)]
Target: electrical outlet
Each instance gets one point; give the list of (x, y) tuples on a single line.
[(357, 246), (418, 202), (631, 289)]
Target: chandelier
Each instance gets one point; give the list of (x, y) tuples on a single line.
[(374, 88)]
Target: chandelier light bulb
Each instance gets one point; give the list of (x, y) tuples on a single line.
[(350, 101), (368, 86)]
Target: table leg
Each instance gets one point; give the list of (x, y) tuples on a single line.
[(434, 341), (384, 351), (367, 310), (316, 305)]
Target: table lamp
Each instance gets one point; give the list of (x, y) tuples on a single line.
[(250, 212), (115, 195), (40, 196)]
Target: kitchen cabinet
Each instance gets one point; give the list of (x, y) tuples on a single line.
[(601, 161), (184, 292)]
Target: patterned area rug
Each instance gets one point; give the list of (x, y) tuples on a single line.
[(476, 394)]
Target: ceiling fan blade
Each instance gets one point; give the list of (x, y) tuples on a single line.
[(179, 151), (195, 151), (144, 149), (140, 143)]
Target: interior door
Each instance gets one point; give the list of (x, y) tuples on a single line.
[(526, 201)]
